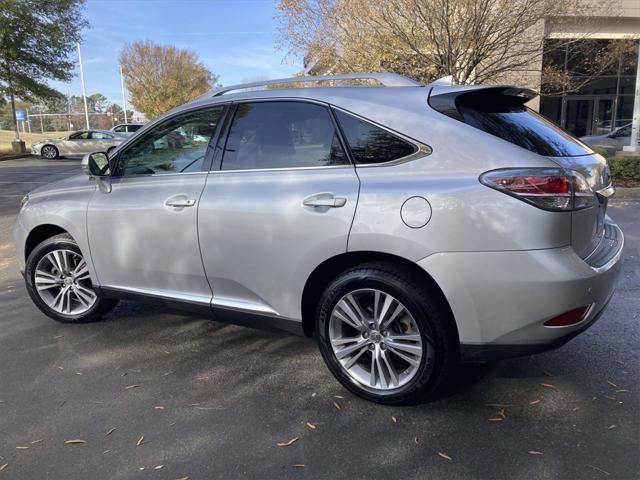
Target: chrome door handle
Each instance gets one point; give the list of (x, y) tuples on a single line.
[(324, 200), (180, 202)]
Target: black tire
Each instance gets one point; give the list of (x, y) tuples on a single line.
[(49, 148), (63, 241), (430, 316)]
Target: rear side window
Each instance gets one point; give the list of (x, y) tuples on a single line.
[(371, 144), (101, 136), (506, 117), (282, 135)]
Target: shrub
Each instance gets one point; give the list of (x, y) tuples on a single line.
[(626, 167), (602, 151)]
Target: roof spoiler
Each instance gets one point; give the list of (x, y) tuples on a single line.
[(446, 100)]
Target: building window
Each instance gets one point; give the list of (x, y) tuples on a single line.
[(588, 85)]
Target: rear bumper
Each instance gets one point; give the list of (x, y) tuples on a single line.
[(500, 300)]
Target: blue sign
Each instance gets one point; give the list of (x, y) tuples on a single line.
[(21, 115)]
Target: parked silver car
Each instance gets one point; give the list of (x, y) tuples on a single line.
[(77, 144), (408, 226), (612, 142)]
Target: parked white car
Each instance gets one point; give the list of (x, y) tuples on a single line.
[(77, 144)]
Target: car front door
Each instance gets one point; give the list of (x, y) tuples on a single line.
[(143, 233), (78, 143), (280, 203)]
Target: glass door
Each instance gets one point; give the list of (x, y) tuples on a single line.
[(579, 116), (603, 116)]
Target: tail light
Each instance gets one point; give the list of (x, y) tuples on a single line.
[(554, 189)]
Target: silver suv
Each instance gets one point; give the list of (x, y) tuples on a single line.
[(408, 226)]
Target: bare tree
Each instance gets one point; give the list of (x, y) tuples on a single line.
[(476, 41)]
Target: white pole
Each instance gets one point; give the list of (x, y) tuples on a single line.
[(28, 120), (124, 101), (635, 125), (84, 93)]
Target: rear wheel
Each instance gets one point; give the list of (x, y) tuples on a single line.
[(382, 336), (49, 151), (58, 281)]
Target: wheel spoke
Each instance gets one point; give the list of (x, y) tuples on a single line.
[(349, 316), (343, 352), (54, 258), (351, 362), (84, 295), (380, 369), (45, 280), (386, 305), (393, 376), (384, 324), (405, 347), (411, 360), (344, 340)]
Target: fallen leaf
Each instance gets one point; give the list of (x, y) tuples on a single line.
[(298, 465), (74, 441), (58, 336), (610, 427), (415, 439), (22, 448), (313, 394), (547, 385), (534, 452), (535, 402), (2, 467), (140, 441), (158, 467), (60, 368), (129, 387), (111, 431), (312, 426), (106, 451), (183, 478), (36, 441), (496, 419), (338, 396), (609, 397), (159, 407), (575, 409), (167, 374), (621, 390), (337, 405), (290, 442), (502, 413), (444, 455), (394, 419), (612, 384)]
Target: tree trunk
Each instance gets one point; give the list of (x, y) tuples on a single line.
[(13, 115)]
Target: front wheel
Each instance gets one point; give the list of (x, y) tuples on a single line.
[(57, 278), (382, 336), (49, 152)]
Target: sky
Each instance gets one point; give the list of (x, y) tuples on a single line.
[(235, 39)]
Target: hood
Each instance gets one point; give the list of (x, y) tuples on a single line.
[(80, 181)]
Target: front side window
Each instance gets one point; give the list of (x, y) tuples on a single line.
[(372, 144), (176, 145), (282, 135), (120, 128), (79, 136), (101, 136)]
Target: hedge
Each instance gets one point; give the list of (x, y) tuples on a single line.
[(625, 167)]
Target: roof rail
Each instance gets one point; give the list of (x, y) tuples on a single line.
[(387, 79)]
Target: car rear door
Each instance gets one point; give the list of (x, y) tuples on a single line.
[(143, 232), (280, 201)]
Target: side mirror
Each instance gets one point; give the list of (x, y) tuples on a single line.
[(96, 164)]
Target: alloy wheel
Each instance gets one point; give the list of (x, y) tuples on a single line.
[(49, 152), (376, 340), (62, 281)]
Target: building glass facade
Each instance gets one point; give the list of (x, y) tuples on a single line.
[(581, 95)]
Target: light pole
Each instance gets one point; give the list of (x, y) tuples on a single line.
[(124, 101), (84, 93), (635, 125)]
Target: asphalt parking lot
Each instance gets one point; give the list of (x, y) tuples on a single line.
[(156, 394)]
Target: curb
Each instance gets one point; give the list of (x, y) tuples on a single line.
[(15, 157), (627, 192)]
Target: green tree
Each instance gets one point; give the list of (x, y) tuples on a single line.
[(160, 77), (36, 38)]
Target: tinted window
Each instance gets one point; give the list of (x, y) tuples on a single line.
[(100, 136), (178, 144), (133, 128), (282, 135), (506, 117), (79, 136), (371, 144), (120, 128)]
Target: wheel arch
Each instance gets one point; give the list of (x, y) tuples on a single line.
[(39, 234), (332, 267)]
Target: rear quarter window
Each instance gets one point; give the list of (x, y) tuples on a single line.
[(371, 144)]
